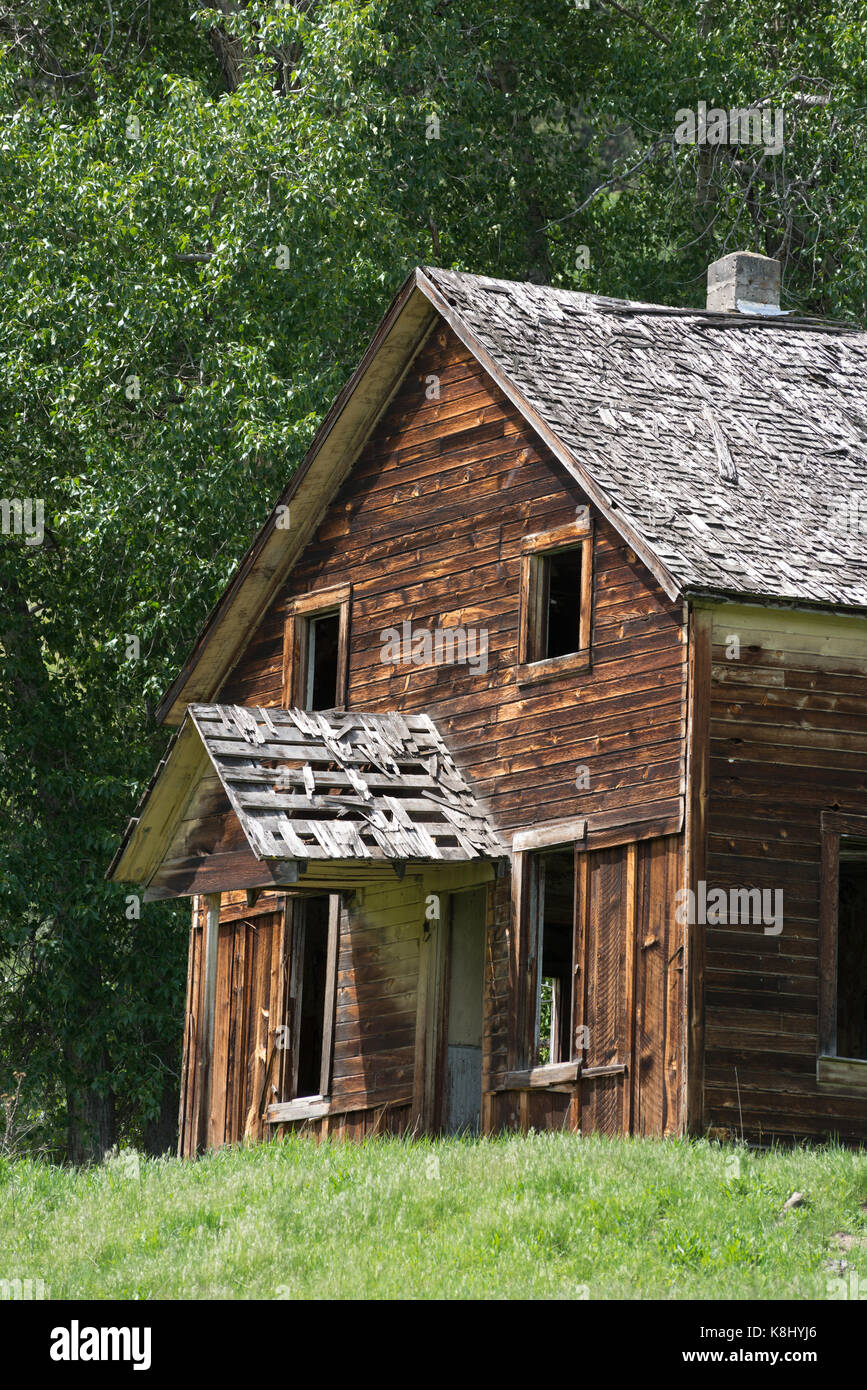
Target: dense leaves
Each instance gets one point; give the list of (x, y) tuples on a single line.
[(203, 219)]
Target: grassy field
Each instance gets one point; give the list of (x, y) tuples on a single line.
[(545, 1216)]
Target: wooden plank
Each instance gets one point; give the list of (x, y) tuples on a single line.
[(426, 984), (554, 833), (533, 1078), (630, 928), (576, 530), (187, 1062), (581, 948), (848, 1072), (291, 660), (206, 1032), (844, 823), (330, 993), (671, 965), (264, 906), (828, 901), (219, 1132), (272, 1091), (588, 552), (515, 1040), (236, 1009), (700, 634), (315, 1106)]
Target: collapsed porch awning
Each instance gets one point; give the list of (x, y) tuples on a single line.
[(252, 797)]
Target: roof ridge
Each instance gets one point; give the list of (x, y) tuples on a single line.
[(614, 305)]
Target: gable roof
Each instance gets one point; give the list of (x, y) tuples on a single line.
[(345, 786), (725, 448)]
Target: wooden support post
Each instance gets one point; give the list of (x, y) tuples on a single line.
[(630, 924), (330, 994), (209, 1010), (517, 978), (829, 890), (698, 773), (487, 1113), (524, 1110), (187, 1088), (425, 1043)]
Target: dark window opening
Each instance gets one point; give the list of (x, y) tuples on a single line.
[(559, 608), (553, 888), (852, 959), (323, 641), (312, 968)]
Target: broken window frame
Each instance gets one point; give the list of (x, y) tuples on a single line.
[(842, 833), (526, 846), (536, 943), (536, 551), (301, 613), (295, 999)]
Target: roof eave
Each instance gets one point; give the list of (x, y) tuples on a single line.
[(703, 596), (332, 453), (337, 443), (160, 808)]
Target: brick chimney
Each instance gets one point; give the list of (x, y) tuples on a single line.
[(744, 283)]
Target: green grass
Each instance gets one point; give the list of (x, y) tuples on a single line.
[(545, 1216)]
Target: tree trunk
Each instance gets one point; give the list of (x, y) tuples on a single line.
[(161, 1133), (90, 1118)]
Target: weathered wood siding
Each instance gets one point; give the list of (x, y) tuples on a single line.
[(788, 739), (629, 997), (428, 528), (245, 1071)]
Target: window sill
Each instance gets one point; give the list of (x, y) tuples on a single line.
[(317, 1107), (531, 671), (304, 1108), (551, 1074), (557, 1074), (842, 1071)]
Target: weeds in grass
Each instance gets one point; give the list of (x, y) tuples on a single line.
[(538, 1216)]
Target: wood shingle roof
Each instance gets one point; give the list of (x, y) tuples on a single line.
[(736, 446)]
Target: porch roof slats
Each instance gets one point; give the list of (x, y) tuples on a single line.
[(343, 785)]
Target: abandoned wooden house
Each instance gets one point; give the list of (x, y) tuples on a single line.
[(521, 776)]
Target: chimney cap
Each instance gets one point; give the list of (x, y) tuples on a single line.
[(744, 282)]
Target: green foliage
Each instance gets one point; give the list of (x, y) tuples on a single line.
[(203, 222)]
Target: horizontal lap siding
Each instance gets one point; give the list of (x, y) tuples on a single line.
[(788, 739), (428, 528), (355, 1125)]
